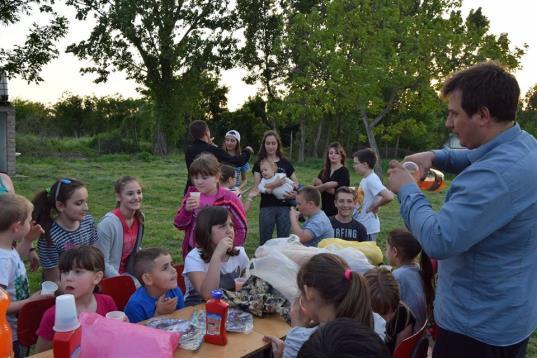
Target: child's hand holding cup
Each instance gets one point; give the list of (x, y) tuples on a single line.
[(193, 201)]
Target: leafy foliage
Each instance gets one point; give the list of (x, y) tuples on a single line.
[(26, 60)]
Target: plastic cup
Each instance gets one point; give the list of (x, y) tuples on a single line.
[(48, 288), (196, 195), (413, 169), (119, 315), (239, 282), (66, 318)]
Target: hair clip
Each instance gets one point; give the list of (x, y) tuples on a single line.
[(348, 274)]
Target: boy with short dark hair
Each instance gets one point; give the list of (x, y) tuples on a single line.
[(317, 226), (344, 225), (159, 293), (15, 224), (375, 193)]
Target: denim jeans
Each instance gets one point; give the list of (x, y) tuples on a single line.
[(273, 216)]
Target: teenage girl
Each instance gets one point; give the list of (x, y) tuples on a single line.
[(62, 211), (205, 175), (217, 261), (232, 145), (333, 175), (273, 211), (416, 282), (120, 231), (81, 270), (328, 290)]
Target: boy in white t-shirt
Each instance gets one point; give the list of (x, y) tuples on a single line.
[(375, 194), (15, 224)]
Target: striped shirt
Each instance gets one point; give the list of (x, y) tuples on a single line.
[(63, 240)]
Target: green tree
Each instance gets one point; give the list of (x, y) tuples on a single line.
[(32, 117), (263, 54), (162, 45), (26, 60), (378, 52)]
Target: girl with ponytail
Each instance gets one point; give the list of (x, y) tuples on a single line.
[(416, 281), (62, 212), (328, 290)]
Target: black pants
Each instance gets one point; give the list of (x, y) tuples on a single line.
[(450, 344)]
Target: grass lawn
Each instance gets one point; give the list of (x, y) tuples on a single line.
[(163, 181)]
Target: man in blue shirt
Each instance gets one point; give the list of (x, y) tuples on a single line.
[(485, 234)]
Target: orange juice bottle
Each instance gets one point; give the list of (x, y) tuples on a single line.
[(6, 337), (216, 317)]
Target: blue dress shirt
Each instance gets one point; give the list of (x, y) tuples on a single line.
[(485, 236)]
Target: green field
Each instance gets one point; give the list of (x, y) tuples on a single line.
[(163, 180)]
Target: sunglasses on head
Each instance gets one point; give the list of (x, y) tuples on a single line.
[(60, 182)]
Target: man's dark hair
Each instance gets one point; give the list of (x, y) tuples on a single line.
[(366, 155), (344, 338), (198, 128), (486, 85)]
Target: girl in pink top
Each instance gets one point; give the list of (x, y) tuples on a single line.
[(81, 269), (205, 175)]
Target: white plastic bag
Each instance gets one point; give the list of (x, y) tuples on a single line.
[(356, 259)]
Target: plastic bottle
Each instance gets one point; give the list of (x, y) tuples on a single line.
[(66, 344), (6, 337), (216, 317)]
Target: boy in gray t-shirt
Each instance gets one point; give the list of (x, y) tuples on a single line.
[(317, 225)]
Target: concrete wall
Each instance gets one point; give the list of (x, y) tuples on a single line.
[(10, 140)]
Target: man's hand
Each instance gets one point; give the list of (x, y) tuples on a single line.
[(165, 305), (398, 176), (424, 160)]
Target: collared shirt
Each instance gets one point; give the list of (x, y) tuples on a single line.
[(485, 236)]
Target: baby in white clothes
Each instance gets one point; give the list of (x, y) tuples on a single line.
[(268, 173)]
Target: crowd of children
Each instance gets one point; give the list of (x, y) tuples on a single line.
[(78, 254)]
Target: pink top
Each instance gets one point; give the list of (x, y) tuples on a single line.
[(186, 220), (130, 235), (105, 304)]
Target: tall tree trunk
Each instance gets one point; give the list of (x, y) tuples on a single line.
[(166, 117), (302, 140), (372, 141), (318, 139), (291, 146)]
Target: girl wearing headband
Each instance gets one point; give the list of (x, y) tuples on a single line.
[(62, 211)]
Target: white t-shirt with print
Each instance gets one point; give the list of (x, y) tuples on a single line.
[(229, 270), (371, 187), (13, 277)]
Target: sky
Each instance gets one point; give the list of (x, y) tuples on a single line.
[(62, 75)]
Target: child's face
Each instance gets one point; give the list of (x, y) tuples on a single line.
[(391, 254), (334, 156), (359, 167), (344, 204), (219, 232), (76, 207), (205, 184), (163, 276), (131, 196), (305, 207), (79, 281), (267, 171), (230, 144)]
